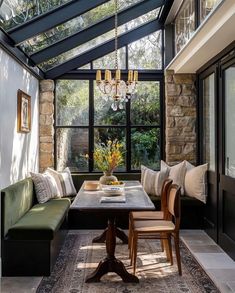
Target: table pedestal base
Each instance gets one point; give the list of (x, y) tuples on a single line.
[(110, 263), (119, 234)]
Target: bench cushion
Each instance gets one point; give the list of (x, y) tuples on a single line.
[(41, 221)]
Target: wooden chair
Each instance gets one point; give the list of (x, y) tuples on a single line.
[(160, 229), (150, 215)]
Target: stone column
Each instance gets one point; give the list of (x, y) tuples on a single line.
[(46, 124), (180, 99)]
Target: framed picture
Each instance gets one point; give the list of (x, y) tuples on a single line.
[(23, 111)]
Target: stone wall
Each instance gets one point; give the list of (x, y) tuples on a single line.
[(180, 99), (46, 124)]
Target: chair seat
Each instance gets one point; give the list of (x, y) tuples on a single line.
[(152, 226), (148, 215)]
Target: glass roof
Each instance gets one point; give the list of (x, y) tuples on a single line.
[(148, 50), (73, 26), (98, 40), (16, 12)]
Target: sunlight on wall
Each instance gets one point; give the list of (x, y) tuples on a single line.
[(18, 151)]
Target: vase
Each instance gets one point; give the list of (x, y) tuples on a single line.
[(107, 177)]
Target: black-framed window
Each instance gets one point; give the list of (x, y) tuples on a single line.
[(83, 118)]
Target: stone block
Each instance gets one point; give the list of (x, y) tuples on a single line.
[(46, 130), (186, 121), (46, 97), (46, 108), (46, 139), (47, 147), (173, 89), (184, 78), (47, 85), (170, 122), (188, 89), (174, 111), (46, 160), (186, 101)]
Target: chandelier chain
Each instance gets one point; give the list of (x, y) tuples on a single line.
[(116, 34)]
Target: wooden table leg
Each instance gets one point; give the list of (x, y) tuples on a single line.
[(119, 234), (110, 263)]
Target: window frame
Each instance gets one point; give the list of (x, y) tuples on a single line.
[(127, 126)]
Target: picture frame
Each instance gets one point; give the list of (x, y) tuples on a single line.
[(23, 112)]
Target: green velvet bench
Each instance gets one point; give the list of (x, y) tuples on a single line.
[(192, 210), (31, 233)]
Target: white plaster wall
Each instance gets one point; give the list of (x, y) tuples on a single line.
[(18, 151)]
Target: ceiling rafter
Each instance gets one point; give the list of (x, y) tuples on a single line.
[(52, 18), (104, 49), (95, 30)]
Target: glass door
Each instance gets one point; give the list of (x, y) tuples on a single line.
[(227, 160), (207, 107)]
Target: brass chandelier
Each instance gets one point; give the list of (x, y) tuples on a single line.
[(113, 88)]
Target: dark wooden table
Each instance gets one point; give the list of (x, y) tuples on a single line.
[(136, 199)]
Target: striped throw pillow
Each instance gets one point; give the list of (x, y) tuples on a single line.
[(45, 186), (64, 182)]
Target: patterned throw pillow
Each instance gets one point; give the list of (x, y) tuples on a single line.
[(152, 181), (45, 186), (196, 181), (64, 182), (176, 173)]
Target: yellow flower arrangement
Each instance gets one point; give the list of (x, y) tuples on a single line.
[(108, 156)]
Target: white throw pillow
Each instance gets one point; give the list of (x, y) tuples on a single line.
[(176, 173), (64, 182), (152, 181), (45, 186), (196, 181)]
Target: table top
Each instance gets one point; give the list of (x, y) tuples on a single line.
[(136, 199)]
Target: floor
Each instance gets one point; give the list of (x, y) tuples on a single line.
[(217, 264)]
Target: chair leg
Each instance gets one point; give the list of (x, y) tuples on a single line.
[(166, 247), (177, 252), (130, 242), (129, 234), (134, 251), (170, 249), (162, 245)]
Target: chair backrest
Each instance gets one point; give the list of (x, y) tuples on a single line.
[(164, 193), (173, 203)]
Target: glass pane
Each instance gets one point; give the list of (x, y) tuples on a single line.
[(16, 12), (87, 66), (72, 146), (72, 102), (73, 26), (145, 148), (230, 121), (184, 24), (102, 39), (207, 7), (145, 106), (146, 53), (108, 61), (103, 113), (209, 121), (105, 134)]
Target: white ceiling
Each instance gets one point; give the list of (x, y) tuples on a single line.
[(212, 36)]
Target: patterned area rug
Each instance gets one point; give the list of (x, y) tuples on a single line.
[(79, 257)]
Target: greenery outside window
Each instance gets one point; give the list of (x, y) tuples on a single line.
[(83, 118)]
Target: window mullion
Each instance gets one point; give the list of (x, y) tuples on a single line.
[(91, 124)]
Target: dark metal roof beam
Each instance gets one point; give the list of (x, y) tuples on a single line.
[(8, 44), (52, 18), (104, 49), (95, 30)]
